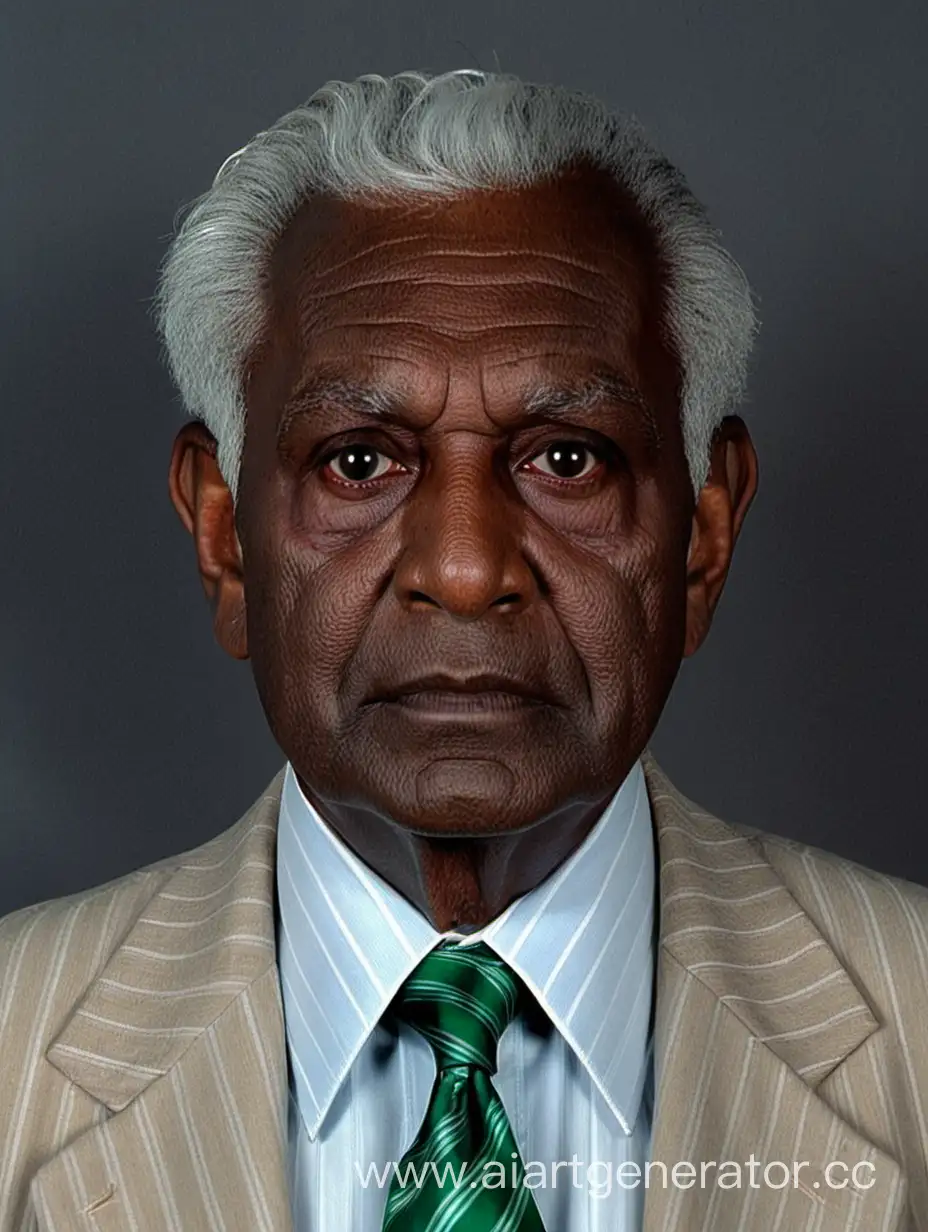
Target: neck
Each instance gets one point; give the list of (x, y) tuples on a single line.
[(461, 882)]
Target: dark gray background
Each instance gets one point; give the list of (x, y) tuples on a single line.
[(126, 735)]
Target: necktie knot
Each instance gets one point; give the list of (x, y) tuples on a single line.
[(461, 998)]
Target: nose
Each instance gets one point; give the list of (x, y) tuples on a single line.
[(462, 553)]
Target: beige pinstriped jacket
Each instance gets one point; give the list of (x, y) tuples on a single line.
[(143, 1067)]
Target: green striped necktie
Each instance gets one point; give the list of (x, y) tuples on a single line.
[(461, 998)]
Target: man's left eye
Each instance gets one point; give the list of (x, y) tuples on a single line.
[(359, 464), (565, 460)]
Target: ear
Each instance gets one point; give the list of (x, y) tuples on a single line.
[(721, 506), (207, 509)]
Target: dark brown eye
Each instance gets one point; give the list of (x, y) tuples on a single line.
[(359, 464), (566, 460)]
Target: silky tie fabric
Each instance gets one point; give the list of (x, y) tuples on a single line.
[(461, 998)]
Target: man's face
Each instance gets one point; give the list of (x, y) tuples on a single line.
[(464, 508)]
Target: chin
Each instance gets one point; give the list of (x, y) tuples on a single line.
[(468, 798)]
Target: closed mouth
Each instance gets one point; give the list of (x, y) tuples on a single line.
[(469, 694), (464, 701)]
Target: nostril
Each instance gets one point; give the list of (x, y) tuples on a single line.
[(419, 596), (511, 600)]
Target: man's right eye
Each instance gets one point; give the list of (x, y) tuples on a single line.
[(358, 464)]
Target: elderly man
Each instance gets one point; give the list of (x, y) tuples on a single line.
[(464, 482)]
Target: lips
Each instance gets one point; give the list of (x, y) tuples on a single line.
[(440, 690)]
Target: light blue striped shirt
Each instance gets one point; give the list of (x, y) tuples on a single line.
[(575, 1084)]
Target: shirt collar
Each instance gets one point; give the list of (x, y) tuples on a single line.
[(582, 942)]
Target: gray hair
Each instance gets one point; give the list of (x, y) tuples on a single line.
[(413, 134)]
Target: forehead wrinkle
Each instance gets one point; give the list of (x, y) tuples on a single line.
[(611, 254), (518, 361), (474, 281), (492, 254), (410, 322), (345, 262), (552, 396)]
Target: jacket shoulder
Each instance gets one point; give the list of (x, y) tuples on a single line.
[(102, 915), (53, 950), (50, 952), (877, 924), (836, 887)]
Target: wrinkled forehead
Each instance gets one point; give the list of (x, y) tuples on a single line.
[(516, 287), (582, 226)]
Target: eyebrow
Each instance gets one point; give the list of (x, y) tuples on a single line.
[(557, 398), (553, 399), (319, 392)]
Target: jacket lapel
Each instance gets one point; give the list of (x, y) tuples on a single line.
[(753, 1011), (181, 1039)]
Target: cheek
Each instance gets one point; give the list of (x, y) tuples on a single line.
[(623, 611), (306, 613)]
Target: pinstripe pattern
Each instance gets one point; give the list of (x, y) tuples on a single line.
[(583, 942), (791, 1023)]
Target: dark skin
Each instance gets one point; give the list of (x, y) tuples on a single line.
[(465, 559)]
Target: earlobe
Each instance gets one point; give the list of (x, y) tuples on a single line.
[(206, 507), (698, 608)]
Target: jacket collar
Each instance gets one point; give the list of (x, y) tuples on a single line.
[(741, 968), (725, 916)]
